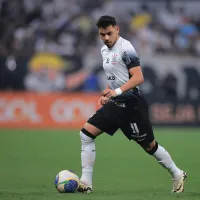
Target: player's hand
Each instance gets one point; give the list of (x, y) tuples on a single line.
[(109, 93), (102, 101)]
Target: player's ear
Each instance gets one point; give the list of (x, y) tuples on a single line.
[(117, 28)]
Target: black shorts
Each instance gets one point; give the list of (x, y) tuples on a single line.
[(131, 116)]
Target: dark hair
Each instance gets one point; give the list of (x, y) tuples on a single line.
[(105, 21)]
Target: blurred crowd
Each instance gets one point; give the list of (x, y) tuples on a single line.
[(67, 27)]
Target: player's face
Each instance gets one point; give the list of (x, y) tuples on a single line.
[(109, 35)]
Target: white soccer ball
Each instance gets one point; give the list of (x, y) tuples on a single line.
[(66, 182)]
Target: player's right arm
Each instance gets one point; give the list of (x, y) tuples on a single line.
[(103, 100)]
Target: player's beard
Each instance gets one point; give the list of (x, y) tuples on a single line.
[(109, 44)]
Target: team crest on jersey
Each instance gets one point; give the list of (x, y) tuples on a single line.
[(114, 59), (108, 60)]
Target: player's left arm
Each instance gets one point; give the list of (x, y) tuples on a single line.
[(136, 79)]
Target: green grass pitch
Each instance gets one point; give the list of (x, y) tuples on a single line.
[(30, 160)]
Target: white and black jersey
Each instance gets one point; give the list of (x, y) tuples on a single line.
[(128, 111), (117, 61)]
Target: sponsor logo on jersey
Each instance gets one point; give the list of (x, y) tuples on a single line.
[(111, 78)]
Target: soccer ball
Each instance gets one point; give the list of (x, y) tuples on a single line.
[(66, 182)]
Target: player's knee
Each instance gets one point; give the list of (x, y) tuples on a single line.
[(86, 137), (151, 148)]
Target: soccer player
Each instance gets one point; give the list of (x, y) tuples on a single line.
[(122, 107)]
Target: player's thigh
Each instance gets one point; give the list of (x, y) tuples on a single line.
[(137, 125), (142, 133), (104, 120)]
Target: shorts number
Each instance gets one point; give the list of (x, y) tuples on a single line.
[(134, 128)]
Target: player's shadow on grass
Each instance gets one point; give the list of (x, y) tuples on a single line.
[(188, 195), (192, 194)]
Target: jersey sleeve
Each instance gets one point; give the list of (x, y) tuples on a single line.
[(130, 57)]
